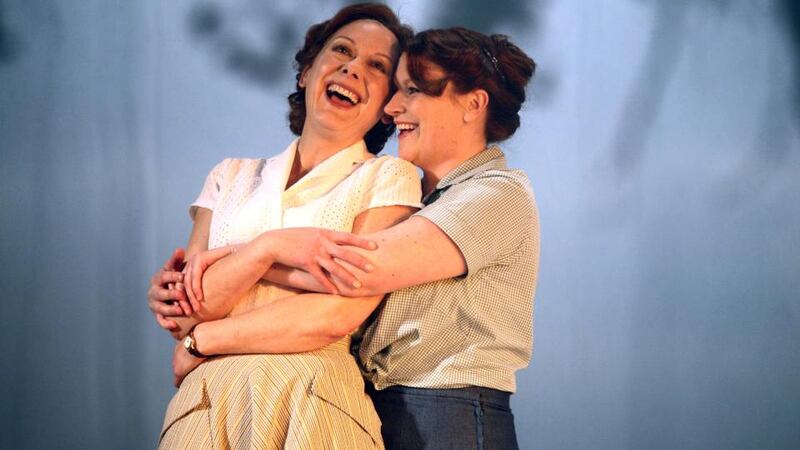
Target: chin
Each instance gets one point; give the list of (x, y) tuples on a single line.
[(405, 154)]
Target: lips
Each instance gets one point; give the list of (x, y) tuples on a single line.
[(405, 128), (341, 95)]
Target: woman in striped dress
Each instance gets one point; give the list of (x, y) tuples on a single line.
[(328, 178), (442, 351)]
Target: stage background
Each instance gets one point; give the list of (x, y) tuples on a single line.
[(661, 138)]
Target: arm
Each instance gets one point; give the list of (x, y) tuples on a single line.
[(298, 323), (460, 232), (412, 252), (198, 242), (166, 297)]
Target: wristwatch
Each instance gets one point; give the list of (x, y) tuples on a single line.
[(190, 344)]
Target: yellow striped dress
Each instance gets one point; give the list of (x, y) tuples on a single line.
[(312, 400)]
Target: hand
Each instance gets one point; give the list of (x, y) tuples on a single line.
[(166, 296), (196, 267), (182, 364), (316, 251)]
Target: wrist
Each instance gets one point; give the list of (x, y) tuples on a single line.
[(191, 343), (265, 249)]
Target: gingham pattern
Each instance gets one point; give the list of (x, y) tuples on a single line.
[(475, 330)]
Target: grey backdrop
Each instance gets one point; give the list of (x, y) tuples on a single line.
[(661, 138)]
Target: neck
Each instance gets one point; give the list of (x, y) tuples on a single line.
[(433, 173), (312, 149)]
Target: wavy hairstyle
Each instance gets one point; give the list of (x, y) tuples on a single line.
[(473, 60), (317, 36)]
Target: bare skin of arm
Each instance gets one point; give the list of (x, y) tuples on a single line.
[(421, 253), (225, 281), (412, 252), (198, 242), (292, 324)]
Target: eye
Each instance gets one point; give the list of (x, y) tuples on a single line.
[(343, 49), (411, 90), (380, 66)]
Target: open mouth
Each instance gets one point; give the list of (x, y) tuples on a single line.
[(340, 95), (404, 129)]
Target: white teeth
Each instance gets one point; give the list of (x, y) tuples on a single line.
[(405, 126), (352, 96)]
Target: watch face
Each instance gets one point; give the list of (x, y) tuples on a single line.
[(187, 342)]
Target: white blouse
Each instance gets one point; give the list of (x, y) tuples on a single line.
[(248, 197)]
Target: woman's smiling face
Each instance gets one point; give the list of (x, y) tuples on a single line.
[(349, 81), (427, 125)]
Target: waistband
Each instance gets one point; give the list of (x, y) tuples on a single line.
[(473, 393)]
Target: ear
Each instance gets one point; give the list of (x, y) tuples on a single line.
[(475, 105), (301, 78)]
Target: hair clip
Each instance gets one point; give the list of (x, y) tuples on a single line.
[(495, 63)]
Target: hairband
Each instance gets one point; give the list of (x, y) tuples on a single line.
[(495, 63)]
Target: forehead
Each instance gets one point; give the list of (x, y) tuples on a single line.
[(431, 70), (368, 33)]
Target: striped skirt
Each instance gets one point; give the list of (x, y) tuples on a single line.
[(312, 400)]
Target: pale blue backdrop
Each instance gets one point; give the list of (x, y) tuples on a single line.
[(662, 141)]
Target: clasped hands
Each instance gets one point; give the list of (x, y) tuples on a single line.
[(176, 289)]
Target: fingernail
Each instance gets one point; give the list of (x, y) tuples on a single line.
[(369, 267), (356, 284), (373, 245)]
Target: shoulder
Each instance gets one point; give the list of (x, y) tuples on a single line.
[(230, 168), (388, 168), (388, 164), (495, 184), (513, 179), (495, 196)]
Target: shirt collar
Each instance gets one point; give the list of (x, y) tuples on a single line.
[(341, 162), (491, 158)]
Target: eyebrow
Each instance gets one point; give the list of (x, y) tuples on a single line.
[(354, 43)]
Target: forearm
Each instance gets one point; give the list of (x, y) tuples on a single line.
[(293, 324), (293, 278), (225, 281), (410, 253)]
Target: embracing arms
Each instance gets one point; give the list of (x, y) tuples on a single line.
[(412, 252)]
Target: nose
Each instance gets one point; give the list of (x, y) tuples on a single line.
[(395, 106), (351, 70)]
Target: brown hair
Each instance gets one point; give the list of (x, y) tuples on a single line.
[(473, 60), (317, 36)]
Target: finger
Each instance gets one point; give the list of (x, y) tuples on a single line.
[(186, 308), (342, 287), (339, 271), (165, 323), (169, 276), (178, 258), (167, 295), (166, 309), (352, 239), (191, 295), (352, 257), (320, 276), (196, 282)]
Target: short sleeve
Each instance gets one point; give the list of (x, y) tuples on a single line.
[(487, 217), (211, 188), (395, 183)]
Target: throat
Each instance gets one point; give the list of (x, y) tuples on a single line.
[(297, 172), (429, 183)]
